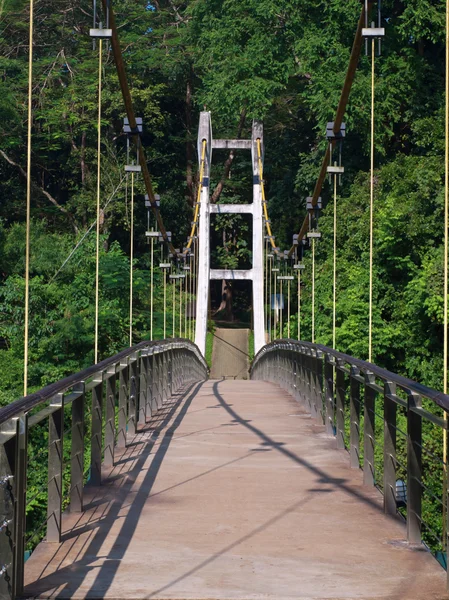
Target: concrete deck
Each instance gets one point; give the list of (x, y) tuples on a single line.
[(232, 492)]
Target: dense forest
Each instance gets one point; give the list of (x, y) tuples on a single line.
[(283, 63)]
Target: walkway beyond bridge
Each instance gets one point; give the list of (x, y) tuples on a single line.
[(232, 491)]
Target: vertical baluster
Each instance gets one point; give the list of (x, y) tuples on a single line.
[(109, 432), (329, 376), (77, 450), (123, 395), (414, 470), (143, 372), (354, 415), (55, 455), (133, 394), (340, 404), (8, 462), (320, 402), (20, 503), (97, 432), (369, 431), (390, 410)]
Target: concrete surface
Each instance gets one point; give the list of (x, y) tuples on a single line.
[(230, 354), (232, 492)]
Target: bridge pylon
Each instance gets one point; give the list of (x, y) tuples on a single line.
[(205, 273)]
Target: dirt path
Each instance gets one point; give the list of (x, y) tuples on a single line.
[(230, 354)]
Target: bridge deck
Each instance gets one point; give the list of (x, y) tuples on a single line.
[(232, 492)]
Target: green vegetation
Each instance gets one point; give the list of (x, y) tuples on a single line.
[(280, 62)]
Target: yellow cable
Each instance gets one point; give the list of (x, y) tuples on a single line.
[(281, 297), (299, 304), (180, 307), (198, 199), (264, 201), (266, 285), (97, 249), (288, 308), (313, 290), (371, 214), (151, 287), (186, 335), (28, 203), (165, 304), (269, 303), (174, 306), (334, 302), (445, 291), (131, 272), (276, 306)]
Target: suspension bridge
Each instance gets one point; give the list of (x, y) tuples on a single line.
[(314, 478)]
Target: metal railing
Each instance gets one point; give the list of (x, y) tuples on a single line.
[(391, 426), (125, 390)]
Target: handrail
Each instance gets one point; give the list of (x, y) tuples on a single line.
[(380, 418), (404, 383), (32, 400), (89, 415)]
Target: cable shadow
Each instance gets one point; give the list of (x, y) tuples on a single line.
[(230, 547), (267, 441)]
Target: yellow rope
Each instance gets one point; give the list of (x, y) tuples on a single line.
[(28, 203), (131, 272), (269, 303), (180, 307), (313, 290), (198, 199), (276, 307), (445, 291), (264, 201), (97, 249), (299, 304), (371, 213), (334, 302), (174, 306), (186, 335), (165, 304), (151, 286), (281, 298)]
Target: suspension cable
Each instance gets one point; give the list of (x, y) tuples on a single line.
[(313, 290), (299, 304), (151, 284), (173, 306), (371, 210), (445, 291), (334, 299), (97, 243), (180, 307), (28, 203), (131, 261), (288, 308)]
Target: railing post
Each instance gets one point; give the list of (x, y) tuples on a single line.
[(414, 469), (143, 375), (340, 404), (133, 394), (320, 402), (313, 385), (97, 432), (369, 430), (77, 450), (8, 461), (123, 406), (55, 457), (354, 416), (109, 426), (390, 410), (149, 384), (329, 377), (20, 503)]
